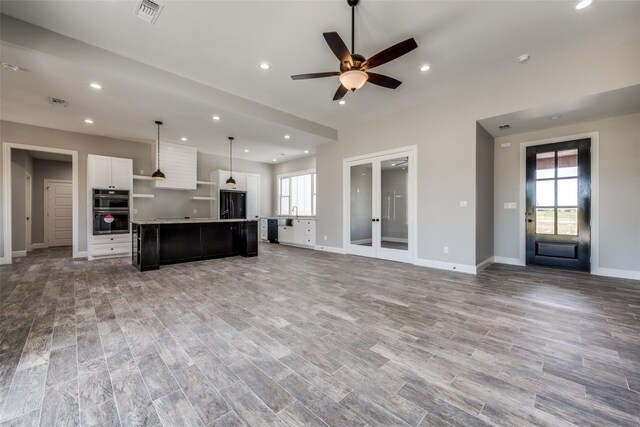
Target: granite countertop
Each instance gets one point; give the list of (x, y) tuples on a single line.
[(185, 220)]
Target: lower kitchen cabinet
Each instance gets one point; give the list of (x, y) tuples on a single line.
[(156, 244)]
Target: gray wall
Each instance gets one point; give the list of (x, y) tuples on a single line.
[(45, 169), (484, 194), (619, 173), (444, 131)]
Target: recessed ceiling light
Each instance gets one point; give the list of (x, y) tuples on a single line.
[(216, 118), (425, 67), (393, 164), (95, 85), (246, 150), (557, 116), (183, 139), (523, 58), (342, 102), (583, 4), (265, 66), (273, 160), (306, 151), (282, 154), (88, 121), (10, 67), (287, 137)]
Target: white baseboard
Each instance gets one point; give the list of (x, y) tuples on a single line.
[(484, 264), (38, 246), (18, 254), (507, 260), (615, 272), (331, 249), (462, 268), (5, 261), (82, 254)]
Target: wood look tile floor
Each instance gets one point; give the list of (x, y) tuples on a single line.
[(299, 337)]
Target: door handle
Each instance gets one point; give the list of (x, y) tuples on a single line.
[(529, 220)]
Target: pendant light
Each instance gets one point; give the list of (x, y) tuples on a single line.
[(231, 180), (158, 173)]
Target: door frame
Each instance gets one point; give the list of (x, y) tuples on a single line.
[(48, 182), (6, 196), (595, 207), (412, 210), (28, 211)]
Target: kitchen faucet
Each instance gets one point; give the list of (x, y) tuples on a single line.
[(296, 208)]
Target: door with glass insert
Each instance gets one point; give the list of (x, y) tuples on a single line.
[(379, 207), (558, 211)]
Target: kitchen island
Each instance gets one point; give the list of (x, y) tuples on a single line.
[(159, 242)]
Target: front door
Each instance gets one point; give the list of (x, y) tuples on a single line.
[(558, 195)]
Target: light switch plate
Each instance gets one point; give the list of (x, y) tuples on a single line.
[(510, 205), (463, 203), (505, 145)]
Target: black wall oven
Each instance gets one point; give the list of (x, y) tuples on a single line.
[(110, 212)]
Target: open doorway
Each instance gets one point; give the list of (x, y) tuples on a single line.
[(40, 200)]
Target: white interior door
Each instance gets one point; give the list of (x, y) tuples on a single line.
[(28, 199), (58, 215), (380, 205)]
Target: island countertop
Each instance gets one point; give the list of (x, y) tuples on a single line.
[(186, 220)]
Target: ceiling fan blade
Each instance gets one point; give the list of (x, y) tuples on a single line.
[(340, 93), (315, 75), (389, 54), (384, 81), (338, 47)]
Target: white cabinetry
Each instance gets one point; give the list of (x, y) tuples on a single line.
[(253, 195), (264, 229), (180, 165), (302, 233), (109, 172)]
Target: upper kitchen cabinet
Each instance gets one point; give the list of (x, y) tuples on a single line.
[(179, 164), (109, 172)]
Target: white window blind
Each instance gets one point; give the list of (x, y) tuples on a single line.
[(298, 191)]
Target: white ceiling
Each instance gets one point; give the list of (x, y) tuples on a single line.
[(219, 44)]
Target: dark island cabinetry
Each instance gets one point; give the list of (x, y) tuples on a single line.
[(161, 242)]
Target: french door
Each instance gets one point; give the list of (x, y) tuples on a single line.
[(379, 205), (558, 196)]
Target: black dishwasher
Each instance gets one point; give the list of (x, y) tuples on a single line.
[(272, 230)]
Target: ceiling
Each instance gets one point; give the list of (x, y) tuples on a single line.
[(202, 58)]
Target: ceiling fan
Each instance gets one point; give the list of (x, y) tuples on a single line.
[(354, 68)]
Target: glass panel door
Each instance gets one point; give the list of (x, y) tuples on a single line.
[(379, 206), (361, 217), (394, 208)]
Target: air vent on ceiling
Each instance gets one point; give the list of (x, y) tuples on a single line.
[(148, 10), (504, 126), (57, 102)]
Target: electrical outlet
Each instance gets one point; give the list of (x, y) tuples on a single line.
[(325, 237), (135, 211), (510, 205), (195, 211), (463, 203), (141, 171), (445, 249)]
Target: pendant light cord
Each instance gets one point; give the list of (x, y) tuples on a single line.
[(230, 157), (158, 147)]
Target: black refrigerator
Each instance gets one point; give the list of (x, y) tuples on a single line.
[(233, 204)]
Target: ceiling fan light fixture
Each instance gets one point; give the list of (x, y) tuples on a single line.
[(353, 79)]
